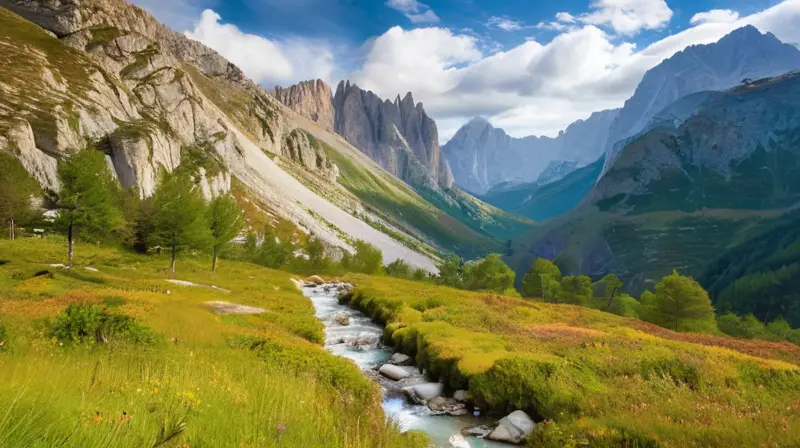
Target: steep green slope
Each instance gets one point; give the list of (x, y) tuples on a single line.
[(541, 202), (396, 202), (761, 275)]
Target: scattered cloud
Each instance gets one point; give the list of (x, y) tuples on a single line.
[(628, 17), (565, 17), (505, 23), (266, 61), (536, 88), (415, 11), (555, 26), (715, 16)]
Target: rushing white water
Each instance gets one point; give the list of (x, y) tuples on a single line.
[(360, 342)]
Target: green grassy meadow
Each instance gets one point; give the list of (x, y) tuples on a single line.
[(205, 380), (596, 379)]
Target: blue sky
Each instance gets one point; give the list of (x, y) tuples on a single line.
[(530, 66)]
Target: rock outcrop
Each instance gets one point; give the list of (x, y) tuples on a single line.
[(311, 99), (106, 74), (398, 135)]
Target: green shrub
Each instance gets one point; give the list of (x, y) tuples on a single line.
[(91, 324), (680, 373), (399, 268)]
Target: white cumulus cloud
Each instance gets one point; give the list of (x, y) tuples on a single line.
[(263, 60), (536, 88), (715, 16), (420, 60), (628, 16)]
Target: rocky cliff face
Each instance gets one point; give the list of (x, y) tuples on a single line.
[(398, 135), (742, 54), (311, 99), (737, 150), (104, 73), (482, 156)]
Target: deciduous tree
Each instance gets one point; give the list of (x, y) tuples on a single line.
[(681, 304), (541, 273)]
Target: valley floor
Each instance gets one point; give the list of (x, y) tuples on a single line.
[(254, 380), (206, 379)]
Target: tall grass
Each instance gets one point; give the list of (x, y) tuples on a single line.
[(207, 380)]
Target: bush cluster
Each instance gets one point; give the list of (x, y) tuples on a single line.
[(92, 324)]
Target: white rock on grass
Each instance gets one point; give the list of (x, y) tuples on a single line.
[(421, 393), (513, 428), (461, 395), (393, 372)]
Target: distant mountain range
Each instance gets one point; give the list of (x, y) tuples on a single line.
[(688, 187), (669, 94), (482, 156)]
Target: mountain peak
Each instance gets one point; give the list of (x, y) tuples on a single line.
[(745, 53)]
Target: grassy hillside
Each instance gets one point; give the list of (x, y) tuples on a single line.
[(396, 202), (761, 275), (541, 202), (640, 249), (598, 379), (196, 379)]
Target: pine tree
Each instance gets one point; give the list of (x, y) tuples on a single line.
[(16, 189), (89, 198), (178, 217), (225, 220)]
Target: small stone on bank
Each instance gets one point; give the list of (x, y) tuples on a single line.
[(400, 359), (447, 406), (393, 372), (315, 280), (421, 393), (458, 441)]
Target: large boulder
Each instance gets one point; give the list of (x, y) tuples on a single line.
[(393, 372), (513, 428), (421, 393)]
